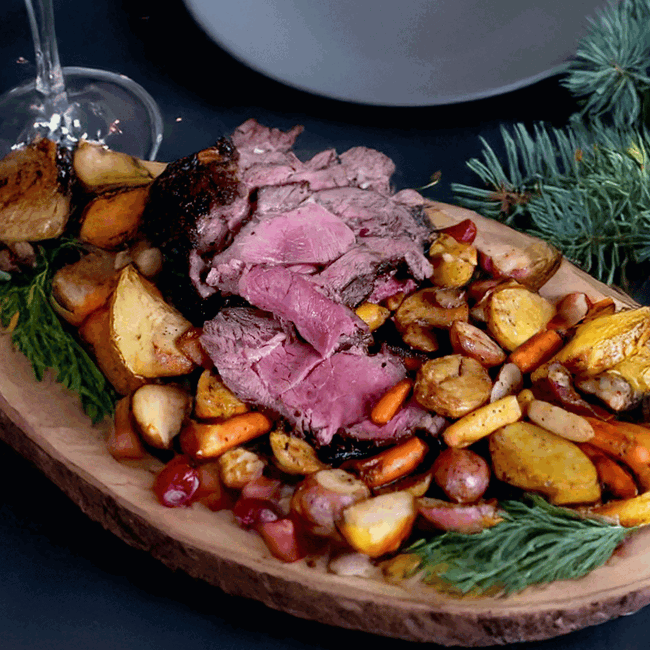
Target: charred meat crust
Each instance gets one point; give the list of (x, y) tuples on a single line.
[(189, 189)]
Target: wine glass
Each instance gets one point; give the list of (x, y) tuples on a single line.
[(69, 104)]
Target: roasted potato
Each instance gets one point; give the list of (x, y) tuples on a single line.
[(469, 340), (214, 400), (144, 328), (560, 421), (462, 518), (99, 168), (80, 288), (293, 455), (159, 411), (321, 498), (461, 474), (453, 261), (239, 466), (112, 218), (124, 442), (531, 266), (34, 204), (420, 338), (373, 315), (432, 307), (509, 381), (531, 458), (95, 331), (605, 342), (515, 314), (452, 385), (379, 525)]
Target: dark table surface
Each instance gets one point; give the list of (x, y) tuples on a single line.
[(65, 583)]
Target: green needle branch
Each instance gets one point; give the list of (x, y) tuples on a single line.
[(37, 332), (583, 187)]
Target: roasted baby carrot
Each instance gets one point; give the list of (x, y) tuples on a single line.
[(391, 464), (391, 402), (614, 478), (538, 349), (627, 443), (211, 439)]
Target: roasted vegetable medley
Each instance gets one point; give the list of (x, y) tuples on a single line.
[(515, 395)]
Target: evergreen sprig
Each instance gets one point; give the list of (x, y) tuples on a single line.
[(583, 187), (610, 71), (586, 192), (536, 543), (37, 332)]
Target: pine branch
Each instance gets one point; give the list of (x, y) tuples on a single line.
[(537, 543), (586, 192), (37, 332), (610, 70)]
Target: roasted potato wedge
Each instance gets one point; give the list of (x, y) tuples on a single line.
[(380, 524), (605, 342), (515, 314), (96, 332), (144, 328), (529, 457)]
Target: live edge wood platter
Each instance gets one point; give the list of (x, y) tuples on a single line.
[(46, 425)]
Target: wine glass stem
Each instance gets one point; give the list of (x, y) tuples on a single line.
[(49, 74)]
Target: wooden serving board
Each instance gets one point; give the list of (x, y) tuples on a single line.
[(46, 425)]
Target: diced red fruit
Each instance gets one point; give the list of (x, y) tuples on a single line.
[(250, 512), (464, 231), (284, 539), (177, 483)]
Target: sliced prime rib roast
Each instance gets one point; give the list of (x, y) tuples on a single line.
[(294, 246), (265, 362)]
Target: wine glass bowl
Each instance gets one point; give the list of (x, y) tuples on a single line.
[(70, 104), (101, 106)]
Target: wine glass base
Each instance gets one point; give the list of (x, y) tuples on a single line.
[(102, 107)]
